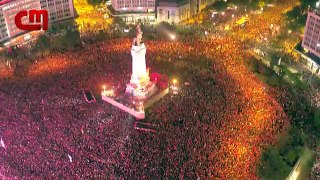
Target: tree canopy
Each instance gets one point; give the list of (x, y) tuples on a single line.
[(96, 2), (273, 166), (220, 6)]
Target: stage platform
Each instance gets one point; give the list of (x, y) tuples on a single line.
[(133, 106)]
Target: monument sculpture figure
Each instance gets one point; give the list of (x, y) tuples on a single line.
[(141, 92), (140, 85)]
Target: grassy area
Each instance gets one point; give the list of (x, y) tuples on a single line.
[(307, 159), (264, 73), (278, 161), (293, 78)]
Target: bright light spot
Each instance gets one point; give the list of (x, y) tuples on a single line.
[(174, 81), (172, 36), (27, 37)]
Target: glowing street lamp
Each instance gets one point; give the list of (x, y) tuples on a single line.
[(172, 36), (104, 89), (110, 93), (106, 92), (174, 86), (174, 81)]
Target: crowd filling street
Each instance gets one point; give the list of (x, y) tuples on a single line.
[(50, 131)]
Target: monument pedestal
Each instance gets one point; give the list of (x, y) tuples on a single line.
[(140, 93), (141, 88), (134, 105)]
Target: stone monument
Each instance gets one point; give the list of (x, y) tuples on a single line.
[(140, 85), (141, 92)]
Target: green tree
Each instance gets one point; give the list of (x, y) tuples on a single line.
[(220, 6), (43, 42), (68, 41), (294, 13), (273, 166), (306, 3), (293, 154), (72, 39), (96, 2), (269, 1), (316, 120)]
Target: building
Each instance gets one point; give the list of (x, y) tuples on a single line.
[(57, 9), (134, 5), (152, 11), (311, 38), (8, 10), (132, 11), (197, 6), (173, 11), (309, 48)]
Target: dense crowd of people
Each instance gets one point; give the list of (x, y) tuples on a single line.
[(50, 131)]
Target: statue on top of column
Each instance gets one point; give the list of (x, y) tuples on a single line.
[(137, 41), (140, 75)]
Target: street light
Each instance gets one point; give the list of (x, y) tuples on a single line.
[(174, 81), (172, 36), (104, 89)]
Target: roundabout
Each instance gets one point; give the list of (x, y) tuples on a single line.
[(214, 127)]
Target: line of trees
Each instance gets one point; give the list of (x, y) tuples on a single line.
[(297, 17)]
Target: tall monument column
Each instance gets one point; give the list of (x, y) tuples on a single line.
[(141, 92), (140, 85)]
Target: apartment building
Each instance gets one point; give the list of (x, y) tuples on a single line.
[(58, 10)]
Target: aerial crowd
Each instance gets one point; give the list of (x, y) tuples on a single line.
[(216, 126)]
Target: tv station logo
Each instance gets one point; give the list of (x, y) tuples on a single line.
[(38, 19)]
